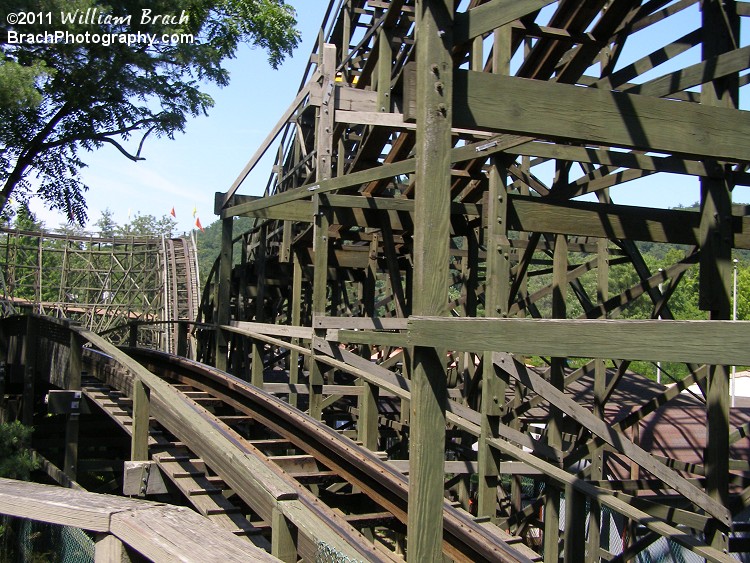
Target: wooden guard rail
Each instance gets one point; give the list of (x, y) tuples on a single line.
[(158, 531)]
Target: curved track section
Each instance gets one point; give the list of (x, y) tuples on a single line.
[(334, 484)]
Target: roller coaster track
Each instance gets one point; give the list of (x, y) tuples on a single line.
[(355, 489), (181, 284)]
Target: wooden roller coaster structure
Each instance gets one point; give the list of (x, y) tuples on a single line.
[(427, 280)]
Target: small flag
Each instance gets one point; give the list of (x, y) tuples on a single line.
[(198, 224), (172, 213), (195, 210)]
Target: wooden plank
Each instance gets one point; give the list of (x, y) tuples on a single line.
[(110, 549), (58, 505), (430, 274), (694, 75), (252, 477), (700, 342), (273, 329), (552, 111), (178, 534), (491, 15), (360, 323), (579, 218), (481, 149)]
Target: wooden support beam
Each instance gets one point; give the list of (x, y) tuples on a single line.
[(223, 290), (283, 537), (709, 342), (158, 532), (431, 241), (551, 110), (70, 463), (141, 416), (492, 15), (619, 442)]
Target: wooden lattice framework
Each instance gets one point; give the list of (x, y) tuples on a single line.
[(430, 195), (101, 282)]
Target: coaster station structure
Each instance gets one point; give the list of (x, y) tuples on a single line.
[(442, 210)]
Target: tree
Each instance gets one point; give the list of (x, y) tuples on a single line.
[(80, 92), (147, 226), (16, 461), (106, 224)]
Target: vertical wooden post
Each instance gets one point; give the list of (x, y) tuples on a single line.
[(283, 537), (296, 321), (497, 280), (557, 378), (141, 413), (133, 334), (109, 549), (367, 402), (223, 292), (600, 384), (430, 278), (75, 366), (319, 300), (496, 304), (384, 70), (182, 339), (720, 34), (324, 148), (30, 343)]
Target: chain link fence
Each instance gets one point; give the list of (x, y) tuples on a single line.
[(28, 541)]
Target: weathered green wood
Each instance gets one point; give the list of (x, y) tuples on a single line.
[(141, 415), (552, 111), (319, 301), (617, 505), (492, 15), (296, 307), (600, 383), (554, 426), (620, 443), (223, 289), (581, 218), (694, 75), (496, 301), (283, 537), (430, 277), (75, 367), (708, 342), (408, 166), (384, 70), (715, 262), (29, 355), (616, 80)]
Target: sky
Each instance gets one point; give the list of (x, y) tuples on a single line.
[(185, 173)]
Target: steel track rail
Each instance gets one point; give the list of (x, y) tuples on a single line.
[(464, 539)]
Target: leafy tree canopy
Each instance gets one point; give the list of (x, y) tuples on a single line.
[(59, 98)]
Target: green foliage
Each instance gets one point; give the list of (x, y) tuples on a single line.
[(59, 99), (209, 243), (106, 225), (147, 226), (16, 461)]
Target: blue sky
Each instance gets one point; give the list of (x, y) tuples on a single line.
[(186, 172)]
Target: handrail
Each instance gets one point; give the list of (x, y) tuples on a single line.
[(159, 531)]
